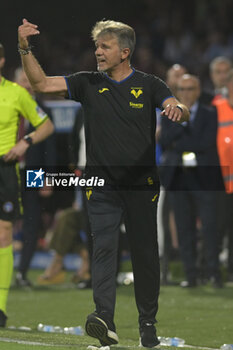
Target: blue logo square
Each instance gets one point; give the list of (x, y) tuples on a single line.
[(35, 178)]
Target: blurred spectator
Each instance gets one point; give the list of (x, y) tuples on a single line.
[(174, 74), (219, 70), (68, 236), (190, 171), (225, 151)]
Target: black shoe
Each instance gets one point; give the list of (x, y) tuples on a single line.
[(98, 327), (85, 284), (3, 319), (21, 281), (148, 337), (188, 284)]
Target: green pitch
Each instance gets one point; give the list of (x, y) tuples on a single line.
[(202, 316)]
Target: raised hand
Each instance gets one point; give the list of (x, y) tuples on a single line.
[(26, 30)]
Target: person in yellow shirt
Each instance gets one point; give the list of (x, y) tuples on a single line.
[(14, 102)]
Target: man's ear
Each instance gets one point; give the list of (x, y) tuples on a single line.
[(125, 53), (2, 62)]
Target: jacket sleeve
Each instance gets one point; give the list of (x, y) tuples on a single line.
[(202, 138), (170, 133)]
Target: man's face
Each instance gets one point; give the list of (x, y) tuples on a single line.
[(188, 91), (2, 62), (173, 76), (108, 53), (219, 74)]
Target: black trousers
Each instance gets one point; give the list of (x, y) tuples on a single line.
[(188, 205), (138, 209), (31, 226)]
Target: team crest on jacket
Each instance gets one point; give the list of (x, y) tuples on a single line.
[(136, 91)]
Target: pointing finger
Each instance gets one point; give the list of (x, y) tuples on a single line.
[(25, 22)]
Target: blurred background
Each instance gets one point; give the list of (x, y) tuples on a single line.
[(191, 33)]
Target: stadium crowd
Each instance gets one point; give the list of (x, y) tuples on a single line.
[(191, 34)]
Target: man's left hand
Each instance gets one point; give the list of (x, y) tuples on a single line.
[(172, 112)]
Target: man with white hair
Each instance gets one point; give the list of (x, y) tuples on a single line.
[(119, 107)]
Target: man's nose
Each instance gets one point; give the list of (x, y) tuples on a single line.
[(98, 51)]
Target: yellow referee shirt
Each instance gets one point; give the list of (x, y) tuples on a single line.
[(14, 102)]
